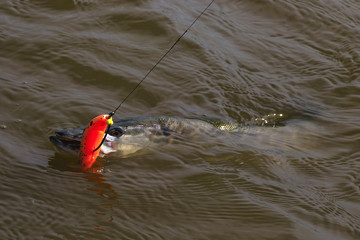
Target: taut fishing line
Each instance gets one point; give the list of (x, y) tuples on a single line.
[(112, 113), (139, 83)]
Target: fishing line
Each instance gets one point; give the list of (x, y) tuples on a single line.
[(139, 83), (157, 63)]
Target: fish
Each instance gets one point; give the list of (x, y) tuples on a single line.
[(129, 136)]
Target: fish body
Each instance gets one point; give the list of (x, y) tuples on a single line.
[(129, 136)]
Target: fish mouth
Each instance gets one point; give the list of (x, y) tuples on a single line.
[(66, 143)]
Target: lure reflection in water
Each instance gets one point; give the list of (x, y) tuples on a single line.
[(129, 136)]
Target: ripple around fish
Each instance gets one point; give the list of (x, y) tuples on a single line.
[(299, 195), (199, 211)]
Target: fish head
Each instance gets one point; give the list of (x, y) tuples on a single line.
[(67, 141), (132, 140), (121, 141)]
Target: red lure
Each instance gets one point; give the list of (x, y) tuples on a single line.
[(92, 138)]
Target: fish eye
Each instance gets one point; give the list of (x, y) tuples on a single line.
[(116, 132)]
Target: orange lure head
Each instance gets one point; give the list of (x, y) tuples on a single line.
[(92, 138)]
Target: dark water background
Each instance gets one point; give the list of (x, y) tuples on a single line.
[(63, 62)]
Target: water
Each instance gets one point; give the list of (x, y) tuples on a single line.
[(64, 62)]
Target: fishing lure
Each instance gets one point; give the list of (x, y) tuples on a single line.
[(93, 136)]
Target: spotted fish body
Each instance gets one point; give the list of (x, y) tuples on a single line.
[(128, 136)]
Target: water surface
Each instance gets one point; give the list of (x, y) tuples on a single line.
[(63, 62)]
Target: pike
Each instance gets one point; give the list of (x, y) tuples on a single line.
[(134, 135)]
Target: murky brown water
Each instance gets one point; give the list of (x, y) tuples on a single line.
[(63, 62)]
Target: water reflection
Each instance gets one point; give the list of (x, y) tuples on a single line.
[(101, 187), (94, 174), (98, 184), (64, 163)]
